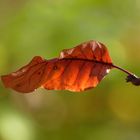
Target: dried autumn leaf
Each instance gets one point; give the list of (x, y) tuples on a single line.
[(76, 69)]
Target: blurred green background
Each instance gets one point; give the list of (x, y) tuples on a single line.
[(45, 27)]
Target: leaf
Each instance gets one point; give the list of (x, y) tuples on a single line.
[(79, 68), (76, 69)]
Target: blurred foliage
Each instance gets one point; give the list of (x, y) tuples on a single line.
[(45, 27)]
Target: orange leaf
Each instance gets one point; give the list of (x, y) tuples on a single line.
[(76, 69)]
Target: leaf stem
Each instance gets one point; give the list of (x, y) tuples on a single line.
[(123, 70), (135, 80)]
